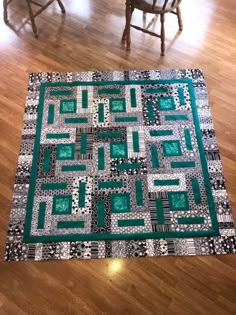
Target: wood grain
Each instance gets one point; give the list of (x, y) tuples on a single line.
[(89, 38)]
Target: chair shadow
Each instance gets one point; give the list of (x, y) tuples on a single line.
[(152, 25), (173, 40), (17, 30)]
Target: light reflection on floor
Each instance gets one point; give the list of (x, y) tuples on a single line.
[(115, 266)]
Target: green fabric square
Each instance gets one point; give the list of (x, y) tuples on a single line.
[(117, 105), (67, 106), (118, 150), (120, 203), (65, 151), (166, 103), (178, 200), (62, 204), (171, 148)]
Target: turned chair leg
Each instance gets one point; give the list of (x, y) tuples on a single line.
[(61, 6), (31, 15), (179, 18), (162, 34), (144, 19), (5, 16), (126, 33)]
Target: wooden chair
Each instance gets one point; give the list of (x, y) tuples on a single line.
[(158, 7), (31, 14)]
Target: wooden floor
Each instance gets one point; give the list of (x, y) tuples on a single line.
[(88, 38)]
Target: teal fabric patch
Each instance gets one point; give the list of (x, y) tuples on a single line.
[(76, 120), (171, 148), (166, 182), (160, 90), (70, 225), (182, 164), (41, 216), (126, 119), (53, 186), (67, 106), (176, 117), (111, 184), (60, 93), (46, 160), (109, 134), (50, 114), (188, 142), (181, 96), (160, 133), (82, 194), (154, 157), (191, 220), (84, 99), (65, 151), (131, 222), (133, 97), (150, 110), (73, 168), (135, 137), (117, 105), (62, 204), (120, 203), (109, 91), (166, 103), (118, 150), (58, 135), (196, 190), (101, 159), (178, 200), (100, 112)]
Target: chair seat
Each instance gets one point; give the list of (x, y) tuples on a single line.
[(147, 5)]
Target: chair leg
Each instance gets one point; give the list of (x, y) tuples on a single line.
[(31, 15), (162, 34), (179, 18), (5, 15), (126, 33), (61, 6), (144, 19)]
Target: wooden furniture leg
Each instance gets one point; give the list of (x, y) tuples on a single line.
[(5, 16), (129, 11), (61, 6), (31, 15), (179, 18), (162, 34), (128, 20)]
